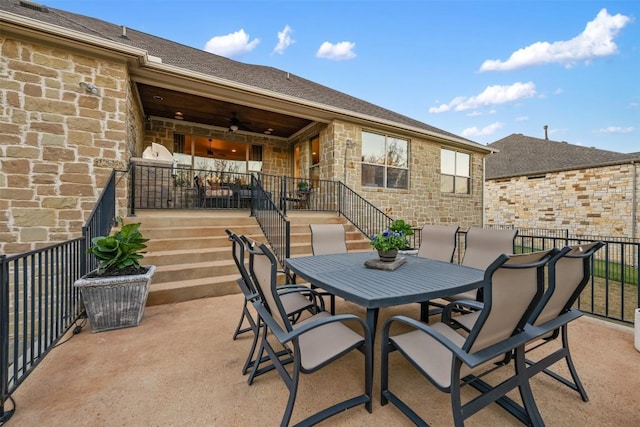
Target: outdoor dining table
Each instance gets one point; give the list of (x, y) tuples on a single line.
[(418, 280)]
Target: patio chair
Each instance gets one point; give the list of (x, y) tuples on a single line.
[(327, 239), (436, 242), (449, 360), (311, 344), (568, 272), (482, 247), (295, 303)]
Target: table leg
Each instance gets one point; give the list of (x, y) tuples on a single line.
[(372, 321)]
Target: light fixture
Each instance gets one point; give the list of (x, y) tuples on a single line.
[(178, 116), (158, 98), (89, 88), (233, 128)]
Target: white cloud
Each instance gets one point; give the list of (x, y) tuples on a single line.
[(492, 95), (232, 45), (485, 131), (633, 105), (558, 91), (522, 119), (595, 41), (615, 129), (474, 114), (337, 52), (284, 40)]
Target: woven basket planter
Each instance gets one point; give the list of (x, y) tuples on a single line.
[(115, 302)]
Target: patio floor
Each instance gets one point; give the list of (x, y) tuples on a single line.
[(180, 367)]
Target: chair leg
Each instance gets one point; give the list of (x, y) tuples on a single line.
[(572, 369), (239, 330), (524, 388)]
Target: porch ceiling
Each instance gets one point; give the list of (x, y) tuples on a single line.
[(162, 102)]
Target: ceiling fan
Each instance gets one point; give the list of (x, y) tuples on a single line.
[(235, 123)]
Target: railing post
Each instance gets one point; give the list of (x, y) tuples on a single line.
[(132, 192), (4, 338)]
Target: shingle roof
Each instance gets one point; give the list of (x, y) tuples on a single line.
[(524, 155), (192, 59)]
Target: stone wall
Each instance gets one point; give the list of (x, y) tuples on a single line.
[(594, 201), (58, 143), (422, 203)]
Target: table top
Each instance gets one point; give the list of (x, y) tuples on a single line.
[(419, 279)]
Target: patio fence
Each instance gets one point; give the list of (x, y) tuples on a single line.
[(38, 302)]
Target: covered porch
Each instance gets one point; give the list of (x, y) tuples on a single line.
[(181, 367)]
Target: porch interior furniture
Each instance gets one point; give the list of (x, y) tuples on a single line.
[(298, 199), (512, 287), (328, 239), (482, 247), (213, 195), (311, 344), (294, 304), (437, 242)]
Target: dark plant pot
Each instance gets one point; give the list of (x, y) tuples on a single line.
[(116, 301), (389, 255)]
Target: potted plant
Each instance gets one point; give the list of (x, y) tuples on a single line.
[(387, 243), (403, 227), (115, 294), (303, 186)]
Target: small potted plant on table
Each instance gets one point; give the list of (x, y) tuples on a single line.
[(115, 294), (387, 243)]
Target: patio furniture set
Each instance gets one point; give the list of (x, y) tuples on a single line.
[(498, 306)]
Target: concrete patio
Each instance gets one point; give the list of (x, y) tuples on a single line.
[(180, 367)]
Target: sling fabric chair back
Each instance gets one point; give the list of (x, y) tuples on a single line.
[(294, 304), (482, 247), (327, 239), (568, 275), (438, 242), (313, 343), (513, 286)]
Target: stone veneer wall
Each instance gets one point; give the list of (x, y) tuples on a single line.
[(58, 143), (594, 201), (422, 203)]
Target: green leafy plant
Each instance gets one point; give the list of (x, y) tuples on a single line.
[(401, 226), (119, 253), (389, 239), (303, 185)]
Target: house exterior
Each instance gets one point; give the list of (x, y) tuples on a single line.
[(539, 183), (82, 97)]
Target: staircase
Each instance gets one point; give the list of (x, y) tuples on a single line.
[(193, 256)]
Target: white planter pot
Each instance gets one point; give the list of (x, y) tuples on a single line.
[(115, 302), (637, 329)]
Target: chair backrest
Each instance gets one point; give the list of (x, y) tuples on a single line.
[(438, 242), (238, 251), (484, 245), (263, 267), (569, 273), (513, 287), (328, 239)]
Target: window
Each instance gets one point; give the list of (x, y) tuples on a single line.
[(314, 170), (384, 161), (455, 168)]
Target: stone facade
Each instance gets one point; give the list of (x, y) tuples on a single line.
[(58, 143), (596, 201)]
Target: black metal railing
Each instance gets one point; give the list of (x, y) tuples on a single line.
[(274, 224), (38, 302), (366, 217)]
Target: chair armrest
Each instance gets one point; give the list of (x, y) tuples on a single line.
[(467, 303), (470, 359), (314, 297), (285, 336)]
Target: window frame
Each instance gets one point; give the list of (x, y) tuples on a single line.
[(384, 163), (456, 175)]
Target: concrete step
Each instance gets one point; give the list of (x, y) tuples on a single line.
[(192, 255)]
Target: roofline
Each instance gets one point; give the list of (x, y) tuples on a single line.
[(149, 62), (599, 165)]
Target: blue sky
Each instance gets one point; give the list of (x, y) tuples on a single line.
[(479, 69)]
